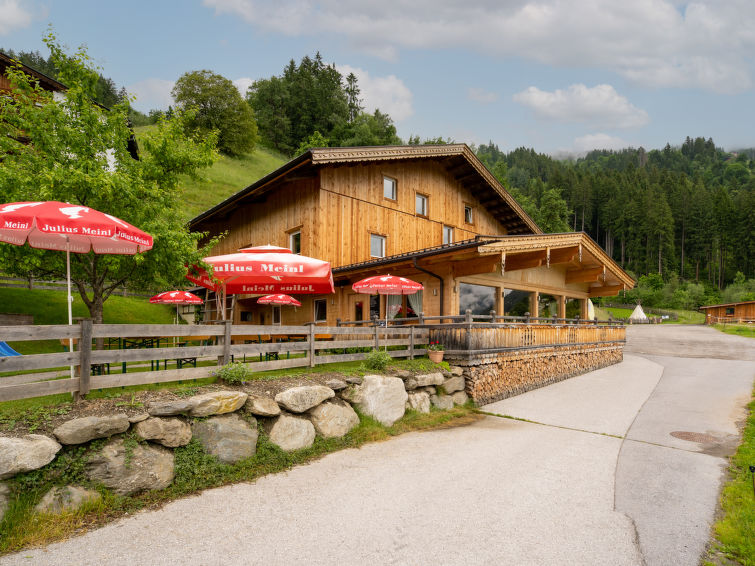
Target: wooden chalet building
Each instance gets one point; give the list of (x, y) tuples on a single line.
[(730, 312), (45, 82), (432, 213)]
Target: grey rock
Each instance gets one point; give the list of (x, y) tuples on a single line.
[(460, 397), (170, 432), (355, 380), (453, 384), (336, 384), (435, 378), (456, 370), (227, 437), (444, 402), (214, 403), (403, 374), (383, 398), (4, 499), (25, 453), (290, 432), (419, 401), (410, 384), (333, 420), (138, 418), (304, 397), (84, 429), (66, 498), (262, 406), (430, 390), (141, 468)]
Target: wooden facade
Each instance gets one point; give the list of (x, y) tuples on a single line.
[(730, 312), (468, 235)]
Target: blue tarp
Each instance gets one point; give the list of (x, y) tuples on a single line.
[(6, 350)]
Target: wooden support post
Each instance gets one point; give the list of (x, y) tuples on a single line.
[(561, 306), (534, 304), (312, 345), (411, 342), (85, 355), (226, 357), (583, 308)]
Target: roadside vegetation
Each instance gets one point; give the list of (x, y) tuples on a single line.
[(747, 330)]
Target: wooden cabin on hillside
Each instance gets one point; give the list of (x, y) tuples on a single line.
[(432, 213), (730, 312)]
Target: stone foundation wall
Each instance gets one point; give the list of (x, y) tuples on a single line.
[(497, 376)]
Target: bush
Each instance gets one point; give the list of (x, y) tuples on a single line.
[(234, 373), (377, 360)]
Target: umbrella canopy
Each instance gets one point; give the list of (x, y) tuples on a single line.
[(279, 299), (264, 269), (176, 298), (387, 285)]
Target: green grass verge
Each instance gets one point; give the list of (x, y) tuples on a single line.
[(685, 317), (747, 330), (734, 533), (194, 471)]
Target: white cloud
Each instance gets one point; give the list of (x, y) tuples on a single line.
[(243, 84), (13, 15), (702, 44), (389, 94), (589, 142), (151, 94), (481, 95), (599, 106)]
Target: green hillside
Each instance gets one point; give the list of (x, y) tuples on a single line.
[(227, 176)]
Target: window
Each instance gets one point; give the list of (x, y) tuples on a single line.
[(448, 235), (321, 310), (246, 316), (276, 315), (389, 188), (420, 206), (358, 311), (729, 310), (480, 299), (468, 217), (294, 241), (377, 245)]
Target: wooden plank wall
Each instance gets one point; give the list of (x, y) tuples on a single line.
[(744, 311)]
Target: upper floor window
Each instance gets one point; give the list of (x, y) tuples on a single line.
[(420, 204), (448, 235), (294, 241), (389, 188), (468, 214), (377, 245)]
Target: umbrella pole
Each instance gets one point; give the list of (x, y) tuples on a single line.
[(70, 298)]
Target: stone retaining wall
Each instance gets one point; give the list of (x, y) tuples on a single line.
[(492, 377)]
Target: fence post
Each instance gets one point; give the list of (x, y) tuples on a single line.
[(411, 342), (468, 316), (312, 345), (227, 342), (85, 356), (492, 316), (338, 322), (421, 318), (377, 333)]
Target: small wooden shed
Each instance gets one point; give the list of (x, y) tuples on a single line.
[(730, 312)]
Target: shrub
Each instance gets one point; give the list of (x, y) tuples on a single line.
[(377, 360), (234, 373)]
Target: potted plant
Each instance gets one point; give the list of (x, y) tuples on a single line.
[(435, 352)]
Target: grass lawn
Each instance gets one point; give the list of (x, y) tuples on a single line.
[(747, 330), (227, 176), (685, 317), (734, 533)]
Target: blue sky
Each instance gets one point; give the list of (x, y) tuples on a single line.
[(555, 75)]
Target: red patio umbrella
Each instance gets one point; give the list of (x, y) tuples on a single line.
[(176, 298), (279, 299), (264, 269), (53, 225)]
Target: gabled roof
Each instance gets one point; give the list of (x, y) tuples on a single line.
[(45, 82), (727, 305), (458, 159)]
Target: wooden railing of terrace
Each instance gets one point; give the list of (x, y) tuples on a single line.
[(219, 343)]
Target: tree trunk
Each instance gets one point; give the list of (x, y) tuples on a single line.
[(681, 269)]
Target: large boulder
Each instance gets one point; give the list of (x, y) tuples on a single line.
[(262, 406), (170, 432), (429, 379), (304, 397), (333, 420), (84, 429), (131, 469), (290, 432), (453, 384), (26, 453), (227, 437), (460, 397), (419, 401), (66, 498), (441, 401), (214, 403), (383, 398)]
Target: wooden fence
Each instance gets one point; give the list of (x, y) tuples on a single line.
[(225, 342)]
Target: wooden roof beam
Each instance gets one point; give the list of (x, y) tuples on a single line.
[(525, 260), (606, 291), (584, 275), (564, 255)]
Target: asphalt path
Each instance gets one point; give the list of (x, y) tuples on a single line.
[(592, 476)]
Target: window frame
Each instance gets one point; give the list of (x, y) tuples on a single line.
[(324, 302), (394, 182), (470, 208), (384, 246), (450, 229), (291, 233), (426, 199)]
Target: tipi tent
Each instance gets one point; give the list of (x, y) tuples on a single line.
[(638, 315), (590, 310)]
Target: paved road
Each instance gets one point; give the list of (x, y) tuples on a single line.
[(597, 479)]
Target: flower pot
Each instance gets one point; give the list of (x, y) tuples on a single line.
[(436, 356)]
